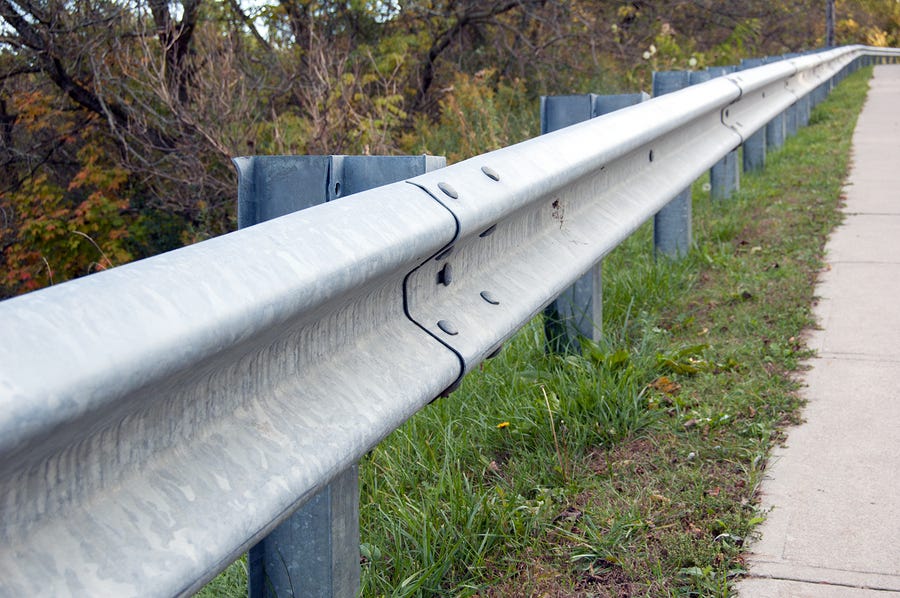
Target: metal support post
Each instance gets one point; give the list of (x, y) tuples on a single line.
[(751, 63), (792, 114), (791, 120), (700, 77), (273, 186), (724, 176), (578, 311), (672, 224), (755, 145), (755, 151), (775, 132), (315, 551), (804, 111), (819, 94)]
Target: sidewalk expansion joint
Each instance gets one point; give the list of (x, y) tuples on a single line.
[(784, 570), (893, 214), (864, 263), (868, 357), (798, 579)]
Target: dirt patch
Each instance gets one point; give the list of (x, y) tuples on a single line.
[(535, 578), (636, 456)]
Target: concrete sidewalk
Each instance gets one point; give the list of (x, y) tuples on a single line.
[(834, 491)]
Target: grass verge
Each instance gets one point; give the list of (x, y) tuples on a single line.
[(630, 469)]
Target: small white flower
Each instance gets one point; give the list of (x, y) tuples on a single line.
[(692, 62), (646, 55), (614, 27), (652, 49)]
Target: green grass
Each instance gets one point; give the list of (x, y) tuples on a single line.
[(632, 468)]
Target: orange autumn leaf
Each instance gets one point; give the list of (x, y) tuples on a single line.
[(665, 385)]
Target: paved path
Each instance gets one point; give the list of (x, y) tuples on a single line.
[(834, 491)]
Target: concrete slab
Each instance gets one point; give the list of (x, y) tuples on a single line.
[(876, 162), (833, 491), (782, 588), (832, 488), (863, 197), (866, 238), (858, 309)]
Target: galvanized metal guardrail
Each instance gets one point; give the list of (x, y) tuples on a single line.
[(159, 418)]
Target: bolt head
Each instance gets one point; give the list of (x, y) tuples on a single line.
[(448, 327), (490, 173), (490, 297), (448, 190)]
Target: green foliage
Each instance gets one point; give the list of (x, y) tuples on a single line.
[(78, 221), (67, 231), (478, 114), (872, 22)]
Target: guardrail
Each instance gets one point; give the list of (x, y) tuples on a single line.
[(158, 419)]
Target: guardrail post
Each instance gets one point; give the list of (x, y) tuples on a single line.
[(792, 114), (315, 551), (832, 83), (818, 95), (672, 224), (775, 128), (791, 120), (578, 311), (754, 145), (775, 133), (804, 110), (724, 176)]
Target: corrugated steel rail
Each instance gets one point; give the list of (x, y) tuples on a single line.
[(159, 418)]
